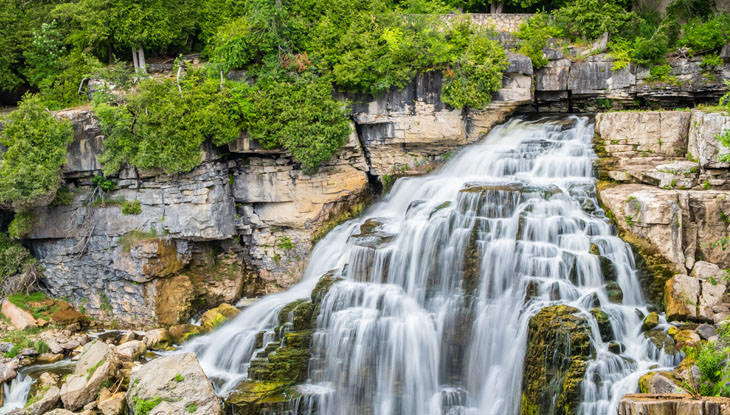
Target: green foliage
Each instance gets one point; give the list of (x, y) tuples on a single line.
[(178, 377), (61, 89), (711, 359), (144, 406), (21, 224), (162, 126), (535, 35), (14, 257), (36, 149), (711, 62), (705, 36), (476, 75), (659, 73), (103, 183), (284, 243), (131, 208), (589, 19)]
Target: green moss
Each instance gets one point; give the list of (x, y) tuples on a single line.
[(551, 381), (352, 211), (90, 371), (144, 406)]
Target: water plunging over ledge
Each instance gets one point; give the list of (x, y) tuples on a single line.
[(441, 278)]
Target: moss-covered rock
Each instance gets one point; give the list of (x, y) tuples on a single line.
[(651, 321), (217, 316), (558, 351), (662, 340), (604, 324), (255, 398)]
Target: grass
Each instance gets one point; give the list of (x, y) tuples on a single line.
[(36, 303), (90, 371), (144, 406)]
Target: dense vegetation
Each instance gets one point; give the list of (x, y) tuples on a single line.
[(690, 27)]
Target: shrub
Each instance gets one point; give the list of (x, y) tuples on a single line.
[(589, 19), (300, 115), (163, 126), (21, 224), (711, 62), (36, 149), (659, 73), (131, 208), (535, 35), (711, 359), (704, 36), (14, 257), (476, 75)]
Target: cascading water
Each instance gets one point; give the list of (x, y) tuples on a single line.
[(440, 280), (15, 393)]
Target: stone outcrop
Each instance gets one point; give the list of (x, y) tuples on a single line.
[(672, 404), (668, 196), (596, 84), (19, 318), (173, 385), (558, 351)]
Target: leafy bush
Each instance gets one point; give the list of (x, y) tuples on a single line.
[(21, 224), (300, 115), (711, 359), (131, 208), (14, 257), (103, 183), (711, 62), (535, 35), (477, 74), (705, 36), (36, 149), (589, 19), (163, 126)]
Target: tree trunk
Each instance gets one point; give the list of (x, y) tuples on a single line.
[(110, 53), (134, 60), (142, 65), (495, 7)]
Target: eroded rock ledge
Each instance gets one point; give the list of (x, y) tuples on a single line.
[(668, 192)]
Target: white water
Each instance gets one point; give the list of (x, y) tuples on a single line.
[(16, 393), (411, 331)]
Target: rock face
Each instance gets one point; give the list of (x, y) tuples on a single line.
[(241, 223), (669, 199), (669, 404), (558, 351), (173, 385), (596, 84)]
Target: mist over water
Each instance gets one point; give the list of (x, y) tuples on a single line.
[(441, 277)]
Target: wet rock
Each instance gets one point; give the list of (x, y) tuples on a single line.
[(551, 382), (614, 292), (260, 397), (177, 381), (49, 357), (604, 324), (97, 364), (651, 321), (174, 299), (19, 318), (217, 316), (616, 347), (706, 331), (686, 337), (662, 341)]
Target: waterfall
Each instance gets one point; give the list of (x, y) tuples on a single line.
[(441, 277), (16, 393)]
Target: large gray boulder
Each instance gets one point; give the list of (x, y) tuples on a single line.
[(97, 363), (177, 384)]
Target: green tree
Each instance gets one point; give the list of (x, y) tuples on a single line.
[(36, 149)]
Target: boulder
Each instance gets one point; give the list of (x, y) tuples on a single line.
[(705, 270), (703, 144), (131, 350), (157, 339), (19, 318), (706, 331), (551, 382), (59, 411), (680, 297), (651, 321), (177, 384), (659, 382), (182, 332), (217, 316), (97, 364), (8, 370), (111, 403), (46, 402)]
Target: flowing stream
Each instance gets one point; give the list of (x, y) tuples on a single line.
[(441, 277)]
